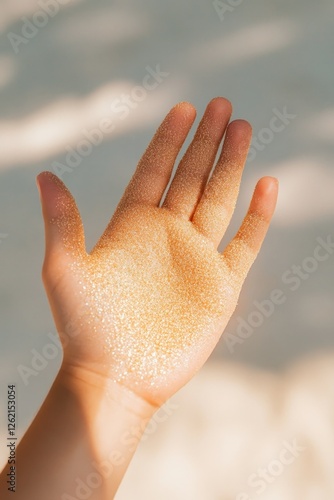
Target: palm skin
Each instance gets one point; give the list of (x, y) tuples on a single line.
[(147, 305)]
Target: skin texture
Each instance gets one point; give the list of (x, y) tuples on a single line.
[(147, 306), (140, 313)]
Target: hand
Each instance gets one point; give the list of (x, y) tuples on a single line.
[(146, 307)]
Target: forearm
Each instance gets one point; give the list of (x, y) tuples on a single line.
[(82, 439)]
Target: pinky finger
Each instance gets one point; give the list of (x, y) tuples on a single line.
[(242, 251)]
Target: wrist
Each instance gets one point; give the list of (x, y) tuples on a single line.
[(114, 421), (95, 387), (111, 410)]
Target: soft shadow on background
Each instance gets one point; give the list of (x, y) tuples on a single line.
[(58, 81)]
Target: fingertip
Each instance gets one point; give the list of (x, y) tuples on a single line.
[(237, 141), (46, 178), (44, 175), (179, 119), (265, 197), (40, 181), (221, 102), (243, 125), (52, 190), (185, 109), (63, 225), (241, 129), (216, 118), (268, 187), (269, 183)]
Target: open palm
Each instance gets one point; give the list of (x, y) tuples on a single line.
[(148, 304)]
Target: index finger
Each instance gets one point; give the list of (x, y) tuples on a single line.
[(153, 172)]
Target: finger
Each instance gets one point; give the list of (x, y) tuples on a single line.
[(63, 225), (240, 254), (155, 167), (216, 207), (194, 169)]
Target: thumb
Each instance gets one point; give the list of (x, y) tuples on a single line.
[(63, 226)]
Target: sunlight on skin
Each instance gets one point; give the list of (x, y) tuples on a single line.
[(153, 297)]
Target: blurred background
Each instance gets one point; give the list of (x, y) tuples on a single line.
[(66, 67)]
